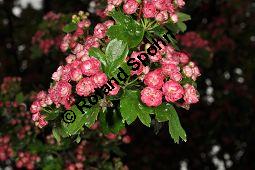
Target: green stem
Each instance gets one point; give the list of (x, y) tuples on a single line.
[(46, 110)]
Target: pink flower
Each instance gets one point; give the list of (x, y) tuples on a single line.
[(180, 3), (75, 64), (65, 42), (115, 2), (141, 68), (168, 69), (84, 23), (169, 49), (76, 74), (66, 72), (83, 55), (90, 67), (115, 90), (99, 79), (126, 139), (196, 73), (108, 9), (174, 18), (184, 58), (48, 100), (176, 76), (154, 79), (187, 70), (156, 58), (35, 107), (100, 31), (35, 117), (91, 41), (149, 10), (172, 58), (57, 75), (109, 23), (111, 136), (160, 4), (130, 6), (191, 95), (41, 95), (151, 96), (64, 89), (85, 87), (53, 93), (77, 48), (162, 16), (42, 122), (173, 91), (191, 71), (70, 58), (79, 31)]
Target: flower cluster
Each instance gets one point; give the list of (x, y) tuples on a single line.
[(6, 151), (168, 79), (81, 69), (42, 37), (160, 10), (192, 40), (27, 160), (10, 84)]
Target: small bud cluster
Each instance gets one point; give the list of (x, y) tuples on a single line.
[(80, 17), (160, 10)]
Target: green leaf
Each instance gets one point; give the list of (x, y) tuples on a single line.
[(127, 29), (51, 163), (86, 117), (97, 53), (166, 112), (117, 122), (159, 31), (103, 123), (144, 118), (116, 56), (131, 107), (182, 26), (78, 139), (70, 28), (183, 17), (115, 50), (19, 97), (175, 129), (91, 116), (52, 115), (56, 134), (59, 133), (162, 113), (111, 121)]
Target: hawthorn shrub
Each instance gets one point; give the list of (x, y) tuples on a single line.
[(139, 47)]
